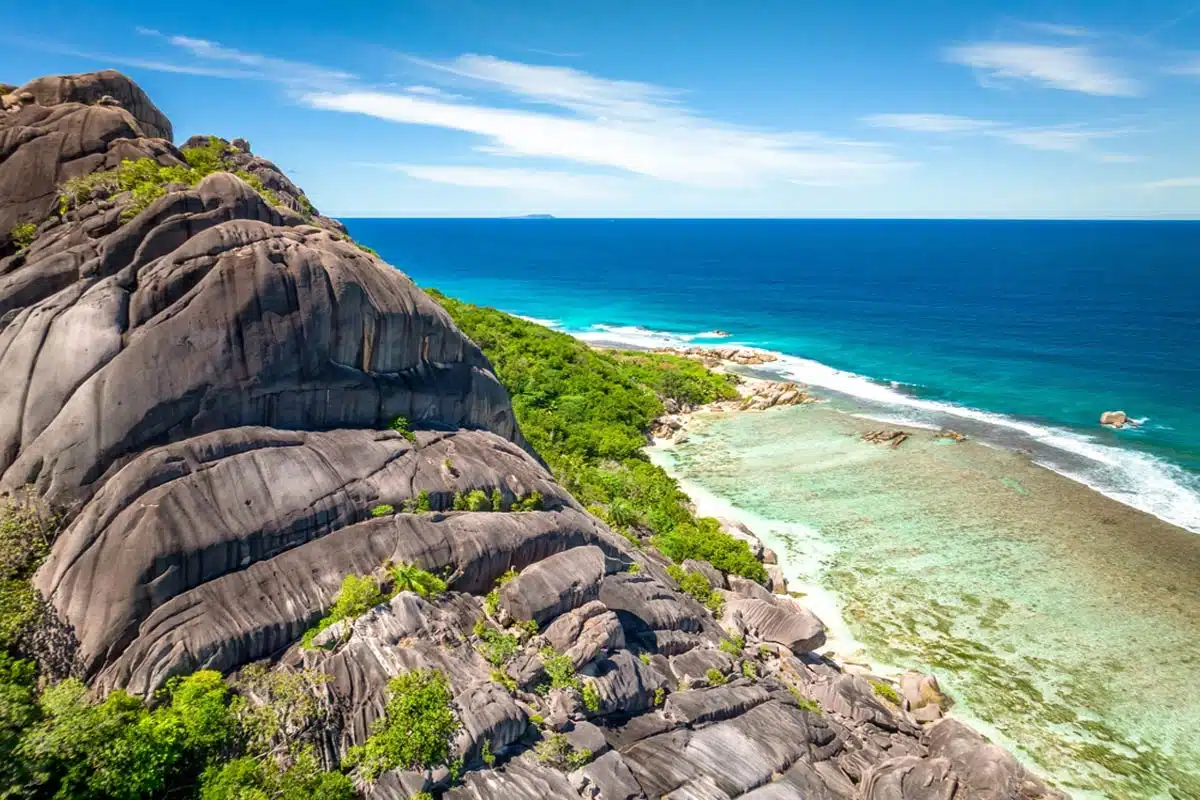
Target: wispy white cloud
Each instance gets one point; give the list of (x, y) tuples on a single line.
[(1190, 66), (1174, 183), (1075, 69), (252, 65), (1057, 138), (1054, 29), (929, 123), (534, 182), (624, 125), (432, 91)]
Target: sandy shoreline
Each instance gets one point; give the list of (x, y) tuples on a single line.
[(1100, 602)]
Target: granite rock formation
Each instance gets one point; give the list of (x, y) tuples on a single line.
[(208, 390)]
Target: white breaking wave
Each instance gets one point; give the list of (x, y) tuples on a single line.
[(545, 323), (1136, 479)]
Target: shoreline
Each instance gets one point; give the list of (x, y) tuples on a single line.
[(1128, 475), (1135, 555)]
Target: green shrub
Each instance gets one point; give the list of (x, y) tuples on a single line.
[(634, 568), (591, 696), (382, 510), (460, 502), (478, 500), (560, 669), (358, 595), (423, 504), (497, 500), (705, 541), (416, 730), (530, 502), (715, 677), (306, 206), (119, 748), (491, 602), (749, 669), (146, 180), (805, 703), (644, 658), (25, 538), (504, 679), (496, 646), (22, 235), (696, 585), (486, 754), (366, 249), (555, 749), (411, 578), (660, 696), (733, 646), (402, 426), (885, 691), (250, 778)]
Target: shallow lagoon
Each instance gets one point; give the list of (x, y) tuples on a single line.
[(1064, 623)]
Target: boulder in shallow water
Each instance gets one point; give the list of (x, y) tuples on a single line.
[(1114, 419)]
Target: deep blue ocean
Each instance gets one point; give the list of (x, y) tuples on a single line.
[(1019, 332)]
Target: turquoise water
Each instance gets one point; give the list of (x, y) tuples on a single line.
[(1023, 331), (1032, 600), (1065, 624)]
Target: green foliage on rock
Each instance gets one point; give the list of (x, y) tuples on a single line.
[(591, 696), (25, 537), (416, 730), (382, 510), (496, 646), (249, 778), (733, 646), (696, 585), (530, 502), (402, 426), (146, 180), (408, 577), (587, 412), (22, 235), (560, 669), (886, 692), (358, 595), (715, 677), (556, 750)]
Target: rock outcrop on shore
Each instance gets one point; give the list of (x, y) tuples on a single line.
[(210, 391)]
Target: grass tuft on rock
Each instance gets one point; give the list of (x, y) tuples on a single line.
[(22, 235)]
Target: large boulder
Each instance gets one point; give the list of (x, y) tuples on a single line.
[(779, 620)]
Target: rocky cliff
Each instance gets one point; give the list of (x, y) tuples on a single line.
[(233, 407)]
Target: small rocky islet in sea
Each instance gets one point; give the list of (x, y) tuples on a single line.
[(253, 471)]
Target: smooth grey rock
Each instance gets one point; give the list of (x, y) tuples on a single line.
[(698, 706), (692, 665), (612, 778), (520, 779), (624, 684), (586, 736), (749, 589), (779, 621), (556, 585), (644, 604), (985, 771), (715, 579)]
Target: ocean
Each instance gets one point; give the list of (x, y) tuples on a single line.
[(1066, 630)]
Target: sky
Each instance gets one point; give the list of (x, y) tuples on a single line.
[(801, 108)]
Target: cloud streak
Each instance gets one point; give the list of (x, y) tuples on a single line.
[(1174, 183), (1057, 138), (253, 66), (1074, 69), (626, 126), (534, 182)]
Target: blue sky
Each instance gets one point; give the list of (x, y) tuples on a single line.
[(796, 108)]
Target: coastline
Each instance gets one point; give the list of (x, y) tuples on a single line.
[(1148, 565)]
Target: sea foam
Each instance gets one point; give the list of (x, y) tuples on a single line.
[(1131, 477)]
